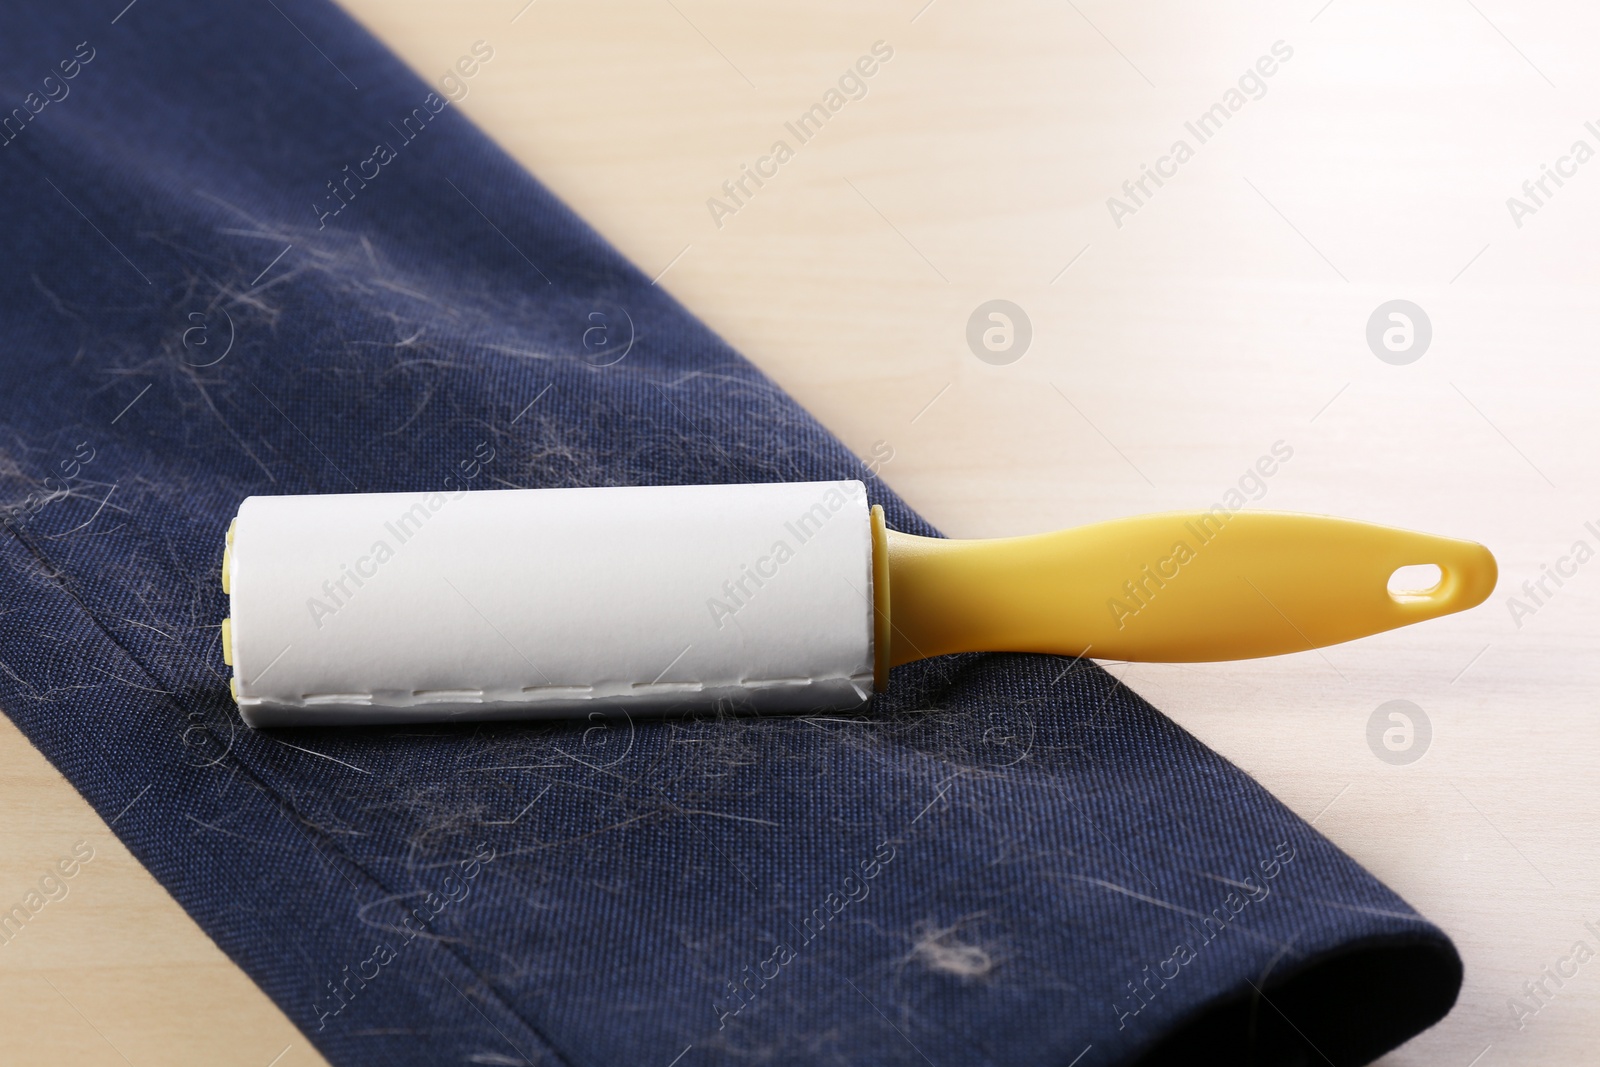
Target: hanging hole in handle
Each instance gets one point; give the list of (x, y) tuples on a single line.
[(1415, 581)]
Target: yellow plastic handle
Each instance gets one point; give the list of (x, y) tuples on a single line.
[(1176, 588)]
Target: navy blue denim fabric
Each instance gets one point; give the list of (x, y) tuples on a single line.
[(1008, 860)]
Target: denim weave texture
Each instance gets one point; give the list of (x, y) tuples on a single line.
[(1006, 859)]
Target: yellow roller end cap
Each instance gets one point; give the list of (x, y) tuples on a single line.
[(227, 641), (233, 687), (227, 558)]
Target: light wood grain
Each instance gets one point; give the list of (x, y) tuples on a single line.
[(1225, 315)]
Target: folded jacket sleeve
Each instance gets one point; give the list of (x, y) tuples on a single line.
[(248, 252)]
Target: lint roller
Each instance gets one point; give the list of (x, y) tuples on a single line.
[(795, 597)]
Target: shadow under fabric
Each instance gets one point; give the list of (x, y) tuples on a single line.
[(1008, 860)]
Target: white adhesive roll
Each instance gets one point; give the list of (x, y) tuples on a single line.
[(400, 607)]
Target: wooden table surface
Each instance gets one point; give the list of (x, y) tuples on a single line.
[(1175, 339)]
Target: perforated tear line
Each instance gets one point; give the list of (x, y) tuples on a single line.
[(537, 694)]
